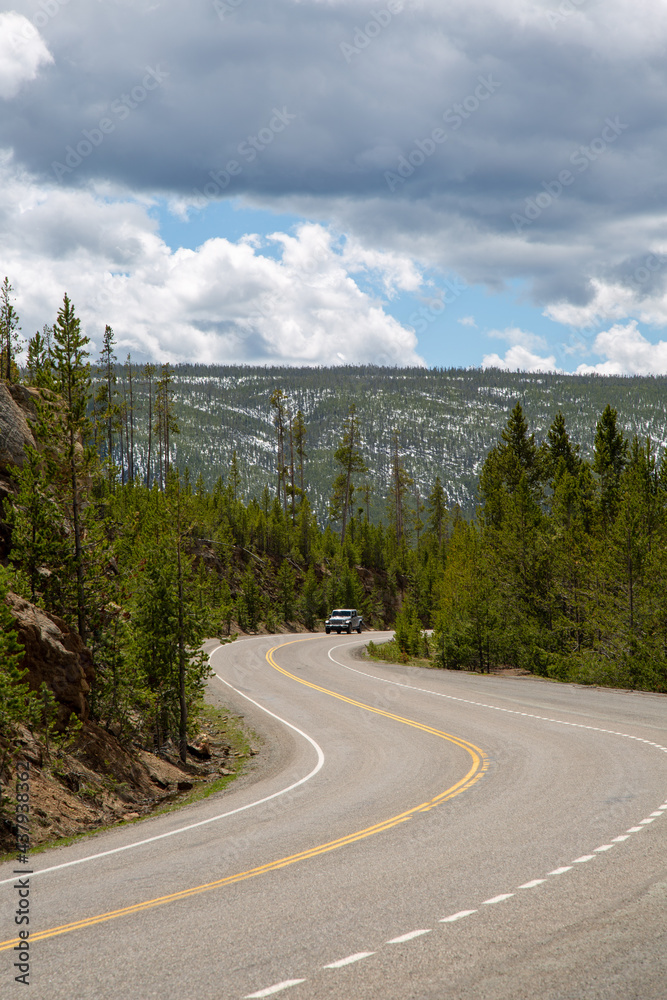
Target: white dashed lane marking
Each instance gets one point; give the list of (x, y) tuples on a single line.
[(583, 858), (350, 960), (457, 916), (561, 871), (498, 899), (408, 937), (531, 885), (271, 990)]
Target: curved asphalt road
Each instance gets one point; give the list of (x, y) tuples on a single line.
[(410, 834)]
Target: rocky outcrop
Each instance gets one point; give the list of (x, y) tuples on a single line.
[(15, 431), (55, 654)]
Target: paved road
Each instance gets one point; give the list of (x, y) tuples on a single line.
[(403, 834)]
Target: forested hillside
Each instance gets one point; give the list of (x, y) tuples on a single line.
[(325, 488), (446, 420)]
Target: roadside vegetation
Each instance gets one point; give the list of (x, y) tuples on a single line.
[(562, 570)]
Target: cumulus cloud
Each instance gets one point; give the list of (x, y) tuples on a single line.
[(521, 354), (22, 53), (627, 352), (224, 302), (520, 105), (467, 321)]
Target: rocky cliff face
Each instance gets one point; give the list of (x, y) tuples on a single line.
[(16, 405), (55, 654)]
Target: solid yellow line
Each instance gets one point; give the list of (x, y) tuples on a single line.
[(478, 768)]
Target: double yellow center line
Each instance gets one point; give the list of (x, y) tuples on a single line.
[(477, 769)]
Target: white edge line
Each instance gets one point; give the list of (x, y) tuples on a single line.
[(349, 960), (203, 822)]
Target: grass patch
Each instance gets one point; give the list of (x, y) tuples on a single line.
[(390, 652)]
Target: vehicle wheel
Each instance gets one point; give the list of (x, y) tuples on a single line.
[(327, 630), (337, 631), (359, 630), (349, 629)]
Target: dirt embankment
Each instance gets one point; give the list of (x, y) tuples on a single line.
[(96, 782)]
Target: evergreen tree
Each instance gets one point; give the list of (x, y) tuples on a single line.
[(72, 376), (280, 422), (350, 461), (105, 397), (300, 445), (39, 359), (561, 455), (610, 458), (398, 492), (10, 340), (437, 510), (16, 700)]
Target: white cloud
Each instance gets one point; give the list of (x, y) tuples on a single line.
[(520, 359), (627, 352), (520, 355), (224, 302), (22, 52), (467, 321)]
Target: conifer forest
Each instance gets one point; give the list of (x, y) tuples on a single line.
[(492, 519)]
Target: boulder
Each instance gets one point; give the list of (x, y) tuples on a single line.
[(54, 653), (15, 431)]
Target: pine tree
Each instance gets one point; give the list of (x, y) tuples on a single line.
[(10, 340), (72, 376), (350, 460), (38, 365), (280, 422), (610, 458), (300, 445), (16, 700), (437, 510), (105, 397), (398, 491)]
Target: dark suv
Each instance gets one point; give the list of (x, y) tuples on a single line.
[(343, 620)]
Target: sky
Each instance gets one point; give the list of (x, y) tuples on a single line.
[(322, 182)]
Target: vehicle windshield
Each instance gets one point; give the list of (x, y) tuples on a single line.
[(341, 614)]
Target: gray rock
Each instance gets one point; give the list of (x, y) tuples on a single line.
[(15, 431), (54, 653)]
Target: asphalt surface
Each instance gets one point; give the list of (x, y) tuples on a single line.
[(403, 833)]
